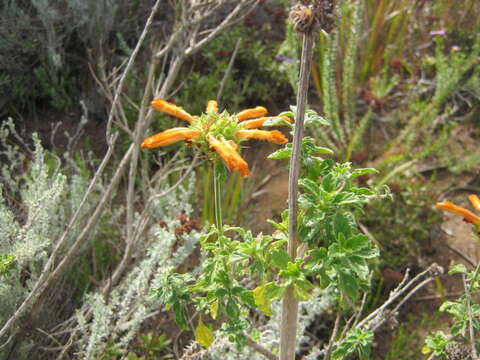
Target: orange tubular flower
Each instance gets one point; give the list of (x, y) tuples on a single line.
[(229, 154), (467, 215), (251, 113), (212, 106), (475, 201), (274, 136), (169, 136), (171, 109), (256, 123)]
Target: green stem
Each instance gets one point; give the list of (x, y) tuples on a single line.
[(217, 193)]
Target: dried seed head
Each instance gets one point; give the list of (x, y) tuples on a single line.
[(302, 18), (436, 270), (313, 15)]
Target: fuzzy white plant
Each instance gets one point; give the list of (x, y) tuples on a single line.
[(28, 229), (117, 316), (36, 201)]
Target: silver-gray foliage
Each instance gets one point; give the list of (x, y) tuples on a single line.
[(29, 224), (117, 317)]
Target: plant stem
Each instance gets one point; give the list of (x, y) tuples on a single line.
[(288, 331), (471, 331), (217, 193)]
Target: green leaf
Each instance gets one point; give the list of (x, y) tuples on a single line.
[(316, 258), (232, 309), (261, 300), (458, 269), (203, 335), (280, 154), (313, 119), (358, 265), (289, 114), (348, 284), (273, 291), (280, 258), (7, 262), (277, 121), (247, 298), (357, 242), (277, 244), (345, 198), (292, 271), (329, 183), (324, 279), (180, 317), (302, 290), (223, 278), (360, 172), (214, 309), (309, 185), (341, 225), (220, 293), (362, 191), (437, 343)]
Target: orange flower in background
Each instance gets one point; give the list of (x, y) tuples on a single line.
[(221, 132), (467, 215), (475, 201)]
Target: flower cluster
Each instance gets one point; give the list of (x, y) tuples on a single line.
[(468, 216), (220, 132)]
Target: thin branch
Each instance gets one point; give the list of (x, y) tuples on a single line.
[(229, 20), (334, 335), (394, 312), (362, 306), (260, 349), (396, 294), (130, 64), (228, 70)]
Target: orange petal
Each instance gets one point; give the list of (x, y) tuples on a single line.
[(212, 106), (256, 123), (169, 136), (251, 113), (228, 153), (475, 201), (468, 216), (171, 109), (274, 136)]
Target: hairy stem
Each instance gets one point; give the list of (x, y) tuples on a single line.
[(471, 331), (288, 329), (217, 193)]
